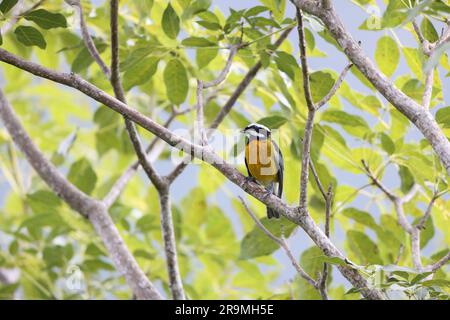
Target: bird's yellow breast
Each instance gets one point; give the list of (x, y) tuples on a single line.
[(261, 161)]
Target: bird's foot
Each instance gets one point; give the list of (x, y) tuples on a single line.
[(249, 179)]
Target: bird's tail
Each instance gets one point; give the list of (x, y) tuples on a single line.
[(270, 212)]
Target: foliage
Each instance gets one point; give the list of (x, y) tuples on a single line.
[(165, 46)]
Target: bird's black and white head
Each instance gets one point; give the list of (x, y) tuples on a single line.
[(256, 131)]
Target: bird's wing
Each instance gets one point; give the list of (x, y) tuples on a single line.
[(280, 168), (246, 165)]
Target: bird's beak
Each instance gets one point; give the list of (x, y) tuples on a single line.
[(242, 131)]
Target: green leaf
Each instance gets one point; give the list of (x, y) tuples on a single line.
[(420, 277), (363, 247), (443, 117), (406, 179), (387, 144), (46, 19), (84, 59), (413, 60), (209, 25), (321, 84), (7, 5), (413, 88), (361, 217), (176, 81), (255, 11), (256, 243), (428, 30), (30, 36), (170, 22), (312, 260), (344, 118), (205, 55), (437, 283), (286, 63), (82, 175), (140, 73), (43, 201), (387, 55), (197, 42), (273, 122)]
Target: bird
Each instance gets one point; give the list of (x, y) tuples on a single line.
[(264, 161)]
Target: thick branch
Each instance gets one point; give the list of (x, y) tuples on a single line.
[(283, 244), (123, 180), (298, 216), (90, 208), (251, 74), (422, 119), (175, 283)]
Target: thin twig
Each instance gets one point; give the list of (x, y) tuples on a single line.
[(311, 113), (88, 207), (335, 87), (225, 110), (282, 243), (439, 264), (175, 283), (292, 213), (223, 74), (89, 43)]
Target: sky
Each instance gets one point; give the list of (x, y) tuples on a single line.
[(353, 16)]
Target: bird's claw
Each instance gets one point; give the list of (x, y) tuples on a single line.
[(249, 179)]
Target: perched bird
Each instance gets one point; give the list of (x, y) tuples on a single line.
[(264, 161)]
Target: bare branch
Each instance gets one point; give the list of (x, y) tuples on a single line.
[(304, 61), (90, 208), (436, 266), (419, 33), (89, 43), (251, 74), (283, 244), (335, 87), (123, 180), (378, 183), (419, 116), (223, 74), (317, 179), (244, 83), (176, 285), (200, 121), (168, 231), (324, 275), (296, 215), (311, 113), (429, 80)]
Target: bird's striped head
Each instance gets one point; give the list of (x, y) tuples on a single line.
[(256, 130)]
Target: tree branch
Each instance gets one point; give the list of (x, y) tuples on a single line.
[(175, 283), (283, 244), (88, 207), (251, 74), (296, 215), (307, 137), (419, 116), (335, 87), (123, 180), (89, 43), (439, 264)]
